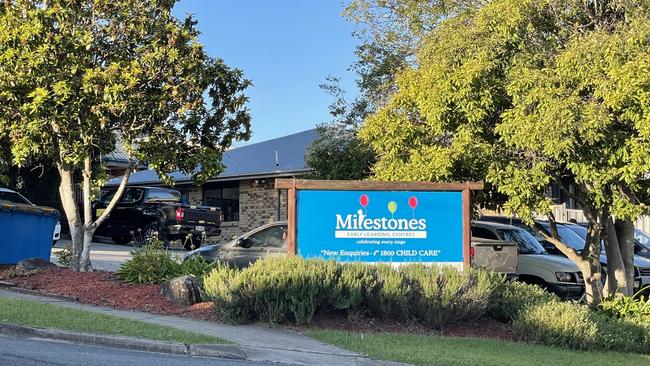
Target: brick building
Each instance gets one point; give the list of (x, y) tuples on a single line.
[(245, 190)]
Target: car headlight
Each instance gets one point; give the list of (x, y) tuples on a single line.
[(565, 276)]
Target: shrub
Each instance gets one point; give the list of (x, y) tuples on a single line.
[(567, 324), (511, 297), (627, 308), (391, 294), (294, 289), (621, 335), (196, 266), (222, 287), (349, 290), (65, 256), (286, 288), (274, 290), (556, 323), (149, 264), (448, 296)]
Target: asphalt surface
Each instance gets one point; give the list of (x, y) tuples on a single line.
[(104, 256), (36, 352)]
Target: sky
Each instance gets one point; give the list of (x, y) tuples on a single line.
[(287, 48)]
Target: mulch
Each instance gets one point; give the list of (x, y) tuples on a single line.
[(481, 328), (105, 289)]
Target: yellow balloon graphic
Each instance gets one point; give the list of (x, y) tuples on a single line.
[(392, 207)]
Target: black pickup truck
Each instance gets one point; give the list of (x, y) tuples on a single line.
[(145, 212)]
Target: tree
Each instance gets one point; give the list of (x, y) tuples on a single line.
[(390, 32), (337, 152), (75, 75), (525, 93)]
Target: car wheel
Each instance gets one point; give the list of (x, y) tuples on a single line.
[(121, 239), (192, 242), (147, 235)]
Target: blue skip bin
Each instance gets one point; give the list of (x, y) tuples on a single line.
[(26, 232)]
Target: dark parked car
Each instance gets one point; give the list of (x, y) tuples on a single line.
[(642, 244), (269, 240), (145, 212)]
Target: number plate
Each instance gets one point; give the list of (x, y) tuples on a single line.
[(200, 228)]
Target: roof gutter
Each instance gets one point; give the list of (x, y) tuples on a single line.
[(223, 179)]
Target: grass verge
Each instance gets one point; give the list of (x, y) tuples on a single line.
[(449, 351), (36, 314)]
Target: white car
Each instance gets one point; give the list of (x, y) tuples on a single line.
[(7, 195), (57, 233), (554, 273)]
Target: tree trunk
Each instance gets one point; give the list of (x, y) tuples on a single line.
[(593, 284), (590, 264), (625, 233), (66, 191), (84, 262), (81, 232), (616, 285), (88, 228), (588, 261)]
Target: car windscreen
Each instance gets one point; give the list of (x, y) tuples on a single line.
[(642, 237), (13, 197), (130, 195), (527, 243), (567, 236), (580, 230), (159, 195)]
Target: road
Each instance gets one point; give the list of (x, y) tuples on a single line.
[(104, 256), (36, 352)]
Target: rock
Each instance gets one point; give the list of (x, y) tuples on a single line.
[(32, 264), (182, 291)]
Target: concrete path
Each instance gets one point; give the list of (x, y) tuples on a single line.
[(259, 343)]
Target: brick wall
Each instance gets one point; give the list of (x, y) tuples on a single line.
[(258, 205)]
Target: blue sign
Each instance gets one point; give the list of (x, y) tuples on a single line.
[(380, 226)]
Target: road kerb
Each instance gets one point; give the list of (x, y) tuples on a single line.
[(204, 350)]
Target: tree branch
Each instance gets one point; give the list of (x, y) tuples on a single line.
[(116, 197), (571, 253)]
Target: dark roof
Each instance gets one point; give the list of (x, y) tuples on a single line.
[(252, 160), (119, 158)]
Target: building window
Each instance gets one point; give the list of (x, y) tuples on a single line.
[(224, 196)]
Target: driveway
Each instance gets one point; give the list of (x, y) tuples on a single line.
[(104, 255)]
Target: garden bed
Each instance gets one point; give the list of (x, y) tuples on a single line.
[(102, 289), (105, 289)]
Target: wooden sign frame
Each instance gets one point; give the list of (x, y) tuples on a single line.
[(292, 185)]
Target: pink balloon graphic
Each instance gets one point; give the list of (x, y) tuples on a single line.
[(363, 200), (413, 202)]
